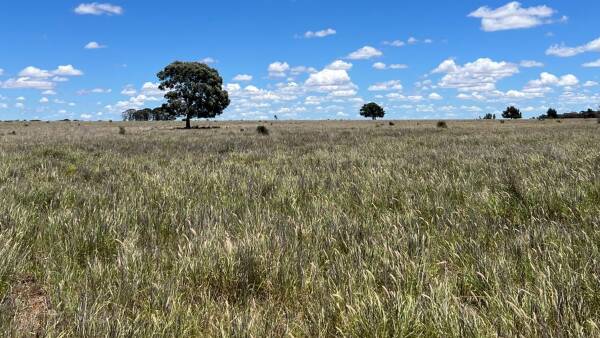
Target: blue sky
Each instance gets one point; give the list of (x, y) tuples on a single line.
[(302, 59)]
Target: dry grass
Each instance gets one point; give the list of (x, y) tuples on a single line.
[(319, 229)]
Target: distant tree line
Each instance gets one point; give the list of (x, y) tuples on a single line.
[(514, 113), (584, 114), (147, 114)]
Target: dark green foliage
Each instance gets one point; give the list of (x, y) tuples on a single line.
[(122, 130), (194, 90), (262, 130), (442, 124), (162, 113), (488, 116), (512, 113), (552, 113), (372, 110)]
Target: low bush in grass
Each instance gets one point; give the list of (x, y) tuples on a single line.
[(442, 125), (262, 130)]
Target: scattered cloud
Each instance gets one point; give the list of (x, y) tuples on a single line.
[(208, 61), (35, 72), (383, 66), (412, 40), (320, 34), (512, 16), (302, 69), (129, 90), (28, 83), (379, 66), (365, 53), (547, 79), (395, 43), (44, 100), (593, 64), (335, 82), (340, 65), (481, 75), (67, 70), (393, 85), (590, 84), (94, 91), (278, 69), (531, 64), (242, 78), (96, 8), (94, 45), (435, 96), (564, 51)]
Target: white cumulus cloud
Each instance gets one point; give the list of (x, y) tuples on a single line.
[(94, 45), (593, 64), (565, 51), (478, 76), (96, 8), (386, 86), (242, 78), (320, 34), (365, 53), (512, 16), (278, 69)]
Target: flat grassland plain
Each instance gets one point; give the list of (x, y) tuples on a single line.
[(317, 229)]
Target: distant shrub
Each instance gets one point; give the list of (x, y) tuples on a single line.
[(122, 130), (502, 121), (558, 121), (13, 133), (442, 124), (599, 120), (392, 123), (262, 130)]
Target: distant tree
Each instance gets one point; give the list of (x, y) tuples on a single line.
[(494, 116), (128, 114), (194, 90), (488, 116), (137, 115), (163, 113), (372, 110), (552, 113), (512, 113)]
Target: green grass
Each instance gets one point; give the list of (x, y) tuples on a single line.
[(319, 229)]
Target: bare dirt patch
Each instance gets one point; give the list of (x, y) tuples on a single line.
[(29, 304)]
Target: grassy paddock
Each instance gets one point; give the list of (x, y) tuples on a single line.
[(316, 229)]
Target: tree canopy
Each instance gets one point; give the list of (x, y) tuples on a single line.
[(372, 110), (512, 113), (552, 113), (194, 90)]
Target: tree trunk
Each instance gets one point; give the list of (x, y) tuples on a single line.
[(188, 123), (374, 118)]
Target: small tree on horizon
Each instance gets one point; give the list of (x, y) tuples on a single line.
[(552, 113), (372, 110), (194, 90), (512, 113)]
